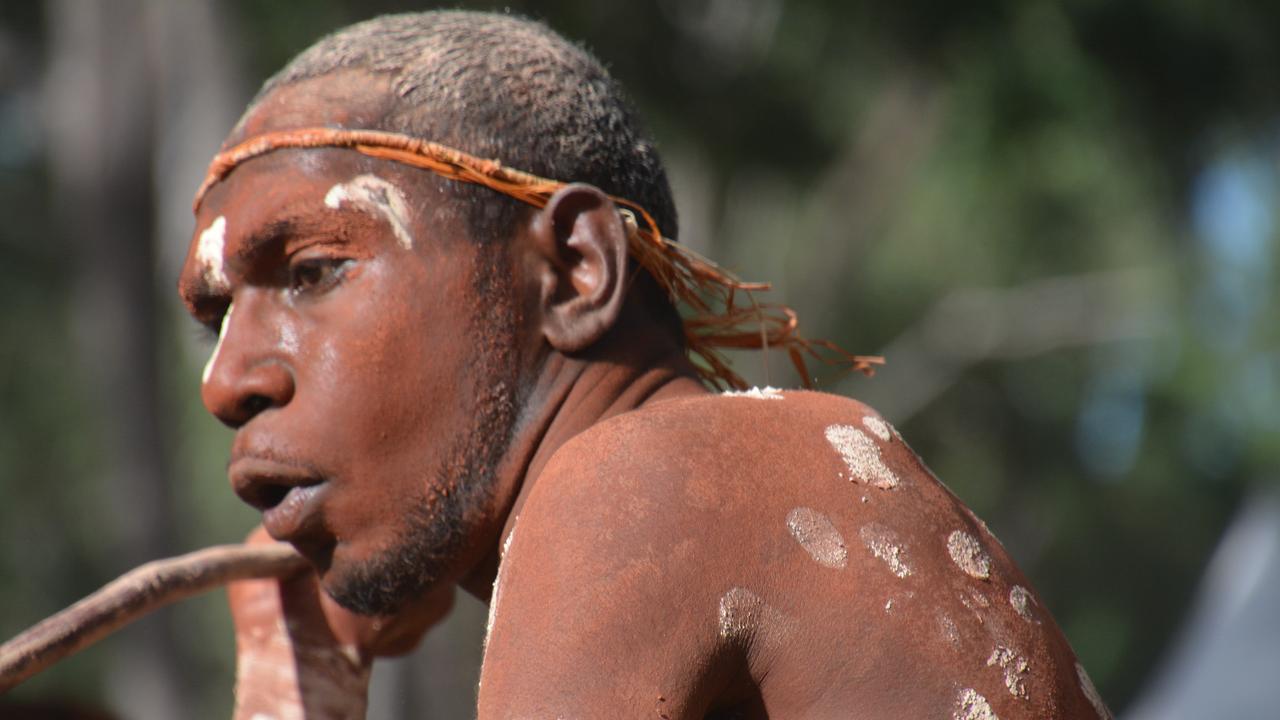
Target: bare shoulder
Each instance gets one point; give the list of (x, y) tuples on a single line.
[(713, 433), (793, 536)]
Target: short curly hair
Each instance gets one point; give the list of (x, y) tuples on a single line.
[(504, 87)]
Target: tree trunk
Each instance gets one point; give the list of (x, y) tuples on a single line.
[(99, 91)]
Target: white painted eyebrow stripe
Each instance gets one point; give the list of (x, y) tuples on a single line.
[(209, 249), (372, 193)]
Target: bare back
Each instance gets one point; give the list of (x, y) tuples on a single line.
[(764, 554)]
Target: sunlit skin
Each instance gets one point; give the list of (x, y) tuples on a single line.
[(668, 552)]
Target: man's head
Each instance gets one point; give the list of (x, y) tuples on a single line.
[(379, 326)]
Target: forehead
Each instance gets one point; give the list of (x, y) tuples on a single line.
[(266, 204), (342, 99), (314, 190), (296, 184), (285, 179)]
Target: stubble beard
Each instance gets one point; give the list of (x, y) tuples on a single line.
[(439, 526)]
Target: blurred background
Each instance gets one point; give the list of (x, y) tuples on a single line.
[(1057, 220)]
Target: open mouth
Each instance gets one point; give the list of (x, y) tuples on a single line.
[(296, 514), (288, 496)]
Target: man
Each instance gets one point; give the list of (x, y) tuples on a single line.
[(445, 371)]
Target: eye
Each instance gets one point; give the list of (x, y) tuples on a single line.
[(315, 275)]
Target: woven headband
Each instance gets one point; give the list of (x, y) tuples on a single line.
[(715, 319)]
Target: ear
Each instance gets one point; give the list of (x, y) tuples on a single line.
[(582, 245)]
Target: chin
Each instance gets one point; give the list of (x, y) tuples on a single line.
[(382, 581), (368, 591)]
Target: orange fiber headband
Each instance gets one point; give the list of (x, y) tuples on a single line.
[(716, 319)]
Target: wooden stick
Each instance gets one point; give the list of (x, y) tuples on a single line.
[(134, 594)]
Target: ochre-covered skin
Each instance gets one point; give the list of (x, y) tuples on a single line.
[(646, 527), (652, 550)]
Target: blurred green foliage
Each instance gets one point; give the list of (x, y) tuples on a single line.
[(873, 160)]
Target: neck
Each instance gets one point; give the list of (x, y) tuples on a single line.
[(570, 395)]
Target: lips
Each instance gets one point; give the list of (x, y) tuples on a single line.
[(296, 516), (289, 496)]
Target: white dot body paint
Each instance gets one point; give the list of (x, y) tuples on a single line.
[(1091, 692), (818, 537), (947, 627), (765, 393), (862, 455), (744, 618), (883, 543), (973, 599), (877, 426), (969, 555), (373, 194), (1022, 602), (1015, 667), (209, 249), (970, 705), (739, 611), (222, 334)]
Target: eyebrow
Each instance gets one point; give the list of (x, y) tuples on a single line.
[(267, 236), (201, 294)]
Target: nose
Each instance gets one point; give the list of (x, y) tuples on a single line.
[(246, 373)]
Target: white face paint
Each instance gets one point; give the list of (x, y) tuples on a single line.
[(209, 254), (373, 194), (222, 334), (861, 454)]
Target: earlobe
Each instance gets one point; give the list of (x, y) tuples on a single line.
[(582, 243)]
